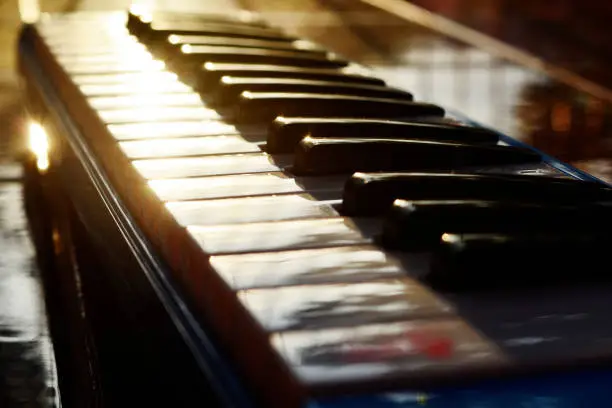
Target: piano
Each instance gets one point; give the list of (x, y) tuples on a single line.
[(263, 222)]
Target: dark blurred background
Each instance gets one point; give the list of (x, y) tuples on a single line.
[(563, 119)]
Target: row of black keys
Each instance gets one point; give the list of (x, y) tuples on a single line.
[(253, 73), (525, 202), (338, 146), (489, 230), (356, 145)]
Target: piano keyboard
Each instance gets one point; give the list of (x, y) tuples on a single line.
[(335, 233)]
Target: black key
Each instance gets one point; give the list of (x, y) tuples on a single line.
[(373, 194), (230, 88), (285, 133), (420, 224), (260, 107), (199, 54), (335, 156), (160, 30), (141, 20), (469, 262), (176, 41), (211, 73)]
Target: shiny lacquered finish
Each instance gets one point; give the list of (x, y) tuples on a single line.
[(343, 264), (331, 156), (160, 30), (172, 129), (375, 353), (211, 73), (275, 236), (155, 100), (28, 349), (199, 54), (370, 194), (212, 165), (157, 114), (285, 133), (333, 305), (142, 80), (132, 87), (141, 19), (472, 261), (122, 67), (242, 185), (230, 88), (254, 209), (421, 224), (187, 146), (257, 107), (176, 41)]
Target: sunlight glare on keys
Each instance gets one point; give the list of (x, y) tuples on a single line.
[(29, 11), (39, 145)]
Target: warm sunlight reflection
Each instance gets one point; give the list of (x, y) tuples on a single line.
[(29, 11), (143, 9), (138, 9), (449, 238), (155, 65), (57, 241), (138, 57), (143, 59), (39, 145)]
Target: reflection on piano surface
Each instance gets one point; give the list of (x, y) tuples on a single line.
[(569, 125)]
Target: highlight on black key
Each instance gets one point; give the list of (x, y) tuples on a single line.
[(334, 155), (411, 225), (285, 133), (500, 261), (373, 193)]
